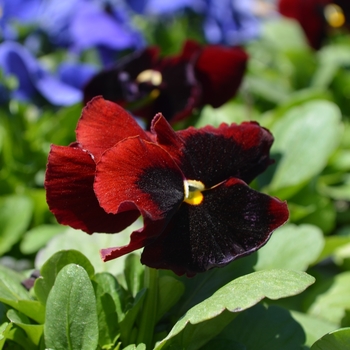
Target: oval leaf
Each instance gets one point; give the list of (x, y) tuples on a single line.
[(305, 138), (71, 316), (236, 296), (337, 340)]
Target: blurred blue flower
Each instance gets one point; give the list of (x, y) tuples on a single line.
[(230, 22), (74, 24), (161, 7), (33, 80), (12, 11)]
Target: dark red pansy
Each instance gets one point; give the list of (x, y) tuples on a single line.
[(316, 16), (189, 186), (146, 84), (71, 169)]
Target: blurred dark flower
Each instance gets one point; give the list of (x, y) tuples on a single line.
[(189, 186), (316, 16), (33, 80), (146, 84)]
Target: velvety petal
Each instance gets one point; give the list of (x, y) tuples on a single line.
[(115, 83), (140, 172), (212, 155), (232, 221), (180, 92), (70, 196), (102, 124), (220, 71)]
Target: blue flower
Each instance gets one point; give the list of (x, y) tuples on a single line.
[(33, 80), (161, 7), (23, 11), (230, 22)]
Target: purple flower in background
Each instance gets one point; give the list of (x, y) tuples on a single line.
[(75, 24), (230, 22), (23, 11), (161, 7), (34, 81)]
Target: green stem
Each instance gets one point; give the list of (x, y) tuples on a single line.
[(149, 310)]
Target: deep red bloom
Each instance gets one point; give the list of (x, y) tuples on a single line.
[(189, 186), (315, 16), (147, 84)]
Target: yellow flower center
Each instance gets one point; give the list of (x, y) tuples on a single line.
[(150, 76), (334, 15), (193, 192)]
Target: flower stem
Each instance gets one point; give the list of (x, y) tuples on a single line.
[(149, 310)]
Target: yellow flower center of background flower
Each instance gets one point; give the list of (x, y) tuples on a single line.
[(334, 15), (193, 192), (150, 76)]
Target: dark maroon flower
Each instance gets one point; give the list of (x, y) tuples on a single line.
[(146, 84), (315, 16), (189, 186)]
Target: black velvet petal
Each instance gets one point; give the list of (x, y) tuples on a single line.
[(232, 221)]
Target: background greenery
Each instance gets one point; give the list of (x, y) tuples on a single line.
[(303, 97)]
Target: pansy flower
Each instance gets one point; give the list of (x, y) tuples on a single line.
[(316, 16), (145, 84), (190, 187)]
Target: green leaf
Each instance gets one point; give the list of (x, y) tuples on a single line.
[(110, 298), (17, 335), (15, 215), (337, 340), (135, 347), (329, 299), (207, 319), (314, 328), (37, 237), (71, 316), (12, 293), (261, 328), (277, 31), (291, 247), (331, 58), (33, 331), (202, 286), (169, 293), (134, 272), (127, 324), (304, 140), (53, 266)]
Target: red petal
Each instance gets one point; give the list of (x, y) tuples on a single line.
[(212, 155), (140, 172), (138, 239), (220, 71), (70, 196), (103, 124), (309, 15)]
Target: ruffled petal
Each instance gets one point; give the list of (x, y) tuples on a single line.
[(103, 124), (140, 172), (220, 71), (138, 239), (70, 196), (212, 155), (232, 221)]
